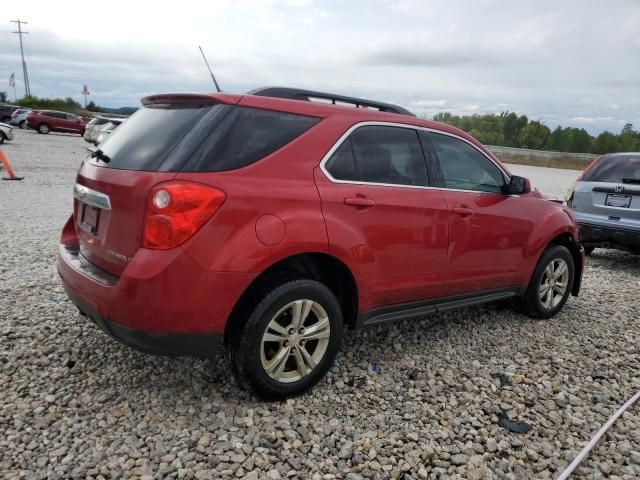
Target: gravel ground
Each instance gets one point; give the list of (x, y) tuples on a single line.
[(426, 399)]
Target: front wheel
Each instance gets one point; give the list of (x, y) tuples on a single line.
[(289, 341), (551, 283)]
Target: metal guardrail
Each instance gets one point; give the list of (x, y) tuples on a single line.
[(587, 157)]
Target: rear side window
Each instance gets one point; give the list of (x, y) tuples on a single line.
[(200, 138), (379, 154), (244, 136), (463, 167), (615, 169)]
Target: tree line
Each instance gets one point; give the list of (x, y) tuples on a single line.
[(65, 105), (508, 129)]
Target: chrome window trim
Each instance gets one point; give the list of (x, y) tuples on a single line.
[(354, 127), (91, 197)]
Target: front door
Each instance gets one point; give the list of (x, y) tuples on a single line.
[(382, 218), (488, 229)]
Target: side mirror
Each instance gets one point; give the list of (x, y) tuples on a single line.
[(519, 185)]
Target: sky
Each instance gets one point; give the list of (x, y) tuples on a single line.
[(571, 62)]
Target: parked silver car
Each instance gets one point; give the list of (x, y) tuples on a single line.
[(19, 117), (606, 200), (6, 132), (95, 126)]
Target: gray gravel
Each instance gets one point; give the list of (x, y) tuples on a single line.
[(407, 401)]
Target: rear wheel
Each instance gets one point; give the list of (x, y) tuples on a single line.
[(551, 283), (22, 124), (589, 250), (289, 341), (2, 138), (43, 128)]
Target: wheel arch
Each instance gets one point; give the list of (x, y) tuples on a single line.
[(566, 240), (321, 267)]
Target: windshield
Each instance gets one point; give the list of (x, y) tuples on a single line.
[(615, 169)]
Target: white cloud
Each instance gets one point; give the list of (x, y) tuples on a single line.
[(544, 59)]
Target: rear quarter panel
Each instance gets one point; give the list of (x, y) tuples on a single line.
[(272, 208)]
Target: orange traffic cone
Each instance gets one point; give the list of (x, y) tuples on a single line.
[(7, 167)]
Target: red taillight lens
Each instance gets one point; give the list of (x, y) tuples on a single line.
[(177, 210)]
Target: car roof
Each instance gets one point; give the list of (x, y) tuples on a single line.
[(349, 114)]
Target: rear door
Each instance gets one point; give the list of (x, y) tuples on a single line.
[(609, 193), (73, 123), (488, 229), (382, 216)]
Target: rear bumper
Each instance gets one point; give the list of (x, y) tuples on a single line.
[(203, 345), (9, 135), (163, 302), (606, 236)]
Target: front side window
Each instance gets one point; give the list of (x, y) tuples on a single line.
[(380, 154), (463, 167)]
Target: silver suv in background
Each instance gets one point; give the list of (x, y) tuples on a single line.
[(19, 117), (95, 126), (606, 200)]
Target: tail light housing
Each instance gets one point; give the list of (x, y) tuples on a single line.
[(176, 210)]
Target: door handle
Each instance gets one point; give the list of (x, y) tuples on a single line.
[(463, 211), (359, 201)]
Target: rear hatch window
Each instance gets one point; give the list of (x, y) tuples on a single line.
[(198, 137), (615, 169)]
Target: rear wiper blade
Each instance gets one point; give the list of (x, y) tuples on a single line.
[(99, 154), (631, 180)]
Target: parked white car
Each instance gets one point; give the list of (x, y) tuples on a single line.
[(6, 132)]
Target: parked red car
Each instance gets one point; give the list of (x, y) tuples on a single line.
[(45, 121), (268, 223)]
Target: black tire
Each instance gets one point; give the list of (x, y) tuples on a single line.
[(23, 124), (244, 347), (2, 138), (531, 303), (44, 128), (589, 250)]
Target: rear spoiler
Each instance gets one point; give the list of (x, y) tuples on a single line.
[(190, 98)]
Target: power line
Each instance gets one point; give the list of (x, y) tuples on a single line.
[(27, 88)]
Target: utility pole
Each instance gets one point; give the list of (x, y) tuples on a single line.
[(27, 88)]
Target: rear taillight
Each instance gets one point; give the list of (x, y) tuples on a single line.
[(176, 210), (589, 167)]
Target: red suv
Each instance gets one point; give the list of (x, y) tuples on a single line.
[(269, 223), (45, 121)]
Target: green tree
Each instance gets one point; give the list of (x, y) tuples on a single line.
[(512, 125), (629, 139), (535, 135), (606, 142), (3, 97)]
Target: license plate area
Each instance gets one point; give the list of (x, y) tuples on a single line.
[(617, 200), (89, 219)]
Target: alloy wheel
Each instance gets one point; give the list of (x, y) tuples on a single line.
[(295, 341), (554, 283)]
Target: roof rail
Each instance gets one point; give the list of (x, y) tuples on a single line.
[(310, 95)]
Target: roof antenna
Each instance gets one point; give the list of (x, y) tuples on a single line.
[(207, 63)]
